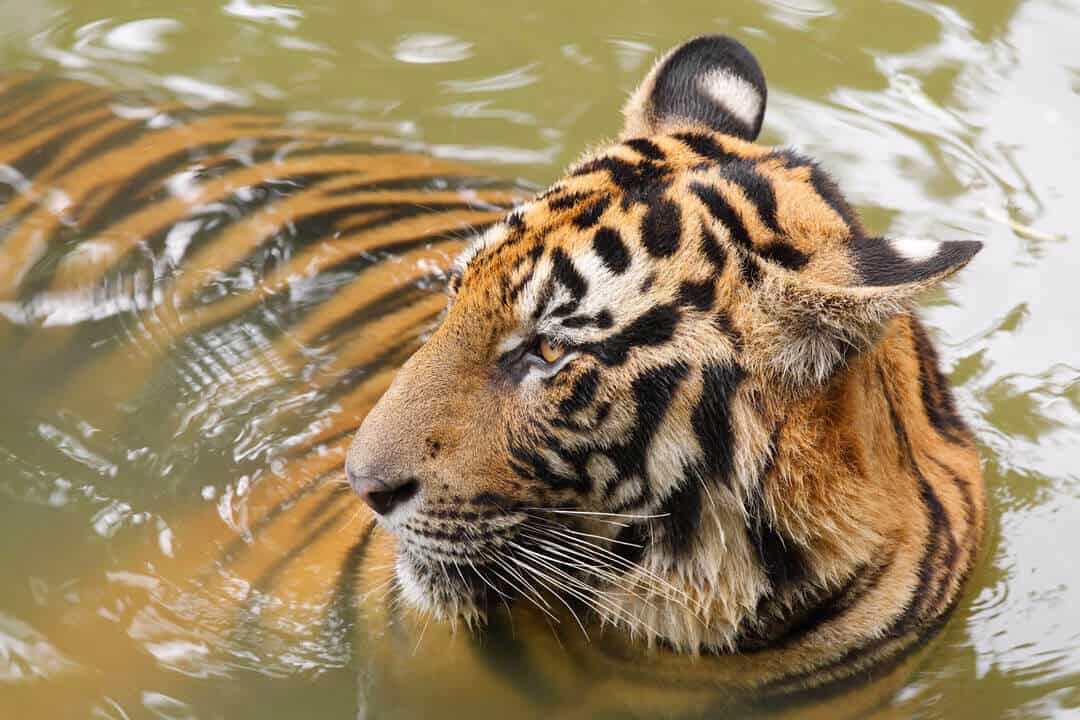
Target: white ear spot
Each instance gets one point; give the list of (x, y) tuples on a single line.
[(915, 250), (732, 92)]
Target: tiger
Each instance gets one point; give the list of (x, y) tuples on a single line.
[(667, 439)]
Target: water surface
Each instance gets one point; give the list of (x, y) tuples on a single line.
[(946, 120)]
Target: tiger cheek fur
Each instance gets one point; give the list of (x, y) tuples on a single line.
[(684, 389)]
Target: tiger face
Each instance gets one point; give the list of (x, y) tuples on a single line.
[(594, 419)]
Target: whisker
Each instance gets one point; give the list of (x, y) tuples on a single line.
[(528, 595), (602, 570), (592, 597), (628, 516), (385, 584), (591, 535), (561, 533), (423, 631), (550, 581)]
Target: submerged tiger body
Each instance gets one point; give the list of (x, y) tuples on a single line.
[(677, 443)]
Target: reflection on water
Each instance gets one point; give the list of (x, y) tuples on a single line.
[(949, 120)]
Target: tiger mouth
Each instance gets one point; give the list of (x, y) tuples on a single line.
[(450, 588), (522, 564)]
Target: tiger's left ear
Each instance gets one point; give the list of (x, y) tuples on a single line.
[(806, 329), (712, 81)]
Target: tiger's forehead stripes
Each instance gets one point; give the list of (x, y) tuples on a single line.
[(771, 205)]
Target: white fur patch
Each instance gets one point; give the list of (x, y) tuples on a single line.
[(915, 249), (510, 342), (492, 237), (733, 92)]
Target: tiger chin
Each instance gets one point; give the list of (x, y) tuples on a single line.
[(684, 392)]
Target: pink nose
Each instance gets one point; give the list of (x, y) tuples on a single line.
[(382, 494)]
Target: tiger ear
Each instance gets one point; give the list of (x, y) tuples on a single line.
[(806, 330), (713, 81)]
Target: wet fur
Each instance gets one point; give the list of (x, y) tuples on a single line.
[(805, 489)]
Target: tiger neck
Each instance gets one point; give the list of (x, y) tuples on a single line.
[(818, 514)]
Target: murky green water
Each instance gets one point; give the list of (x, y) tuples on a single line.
[(950, 120)]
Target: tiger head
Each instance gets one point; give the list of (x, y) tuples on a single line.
[(595, 417)]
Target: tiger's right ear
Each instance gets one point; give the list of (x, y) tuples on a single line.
[(712, 81), (806, 329)]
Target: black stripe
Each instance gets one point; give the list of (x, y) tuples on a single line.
[(568, 201), (609, 246), (630, 177), (856, 667), (653, 391), (862, 582), (711, 420), (785, 255), (757, 189), (531, 465), (582, 394), (962, 487), (712, 250), (632, 543), (589, 216), (921, 601), (602, 320), (722, 322), (826, 189), (698, 295), (646, 148), (566, 274), (934, 388), (661, 228), (779, 557), (653, 327), (783, 626), (721, 211), (830, 193), (681, 512), (707, 147), (751, 271)]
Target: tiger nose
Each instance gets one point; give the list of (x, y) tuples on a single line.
[(381, 493)]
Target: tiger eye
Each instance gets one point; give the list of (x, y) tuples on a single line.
[(550, 351)]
